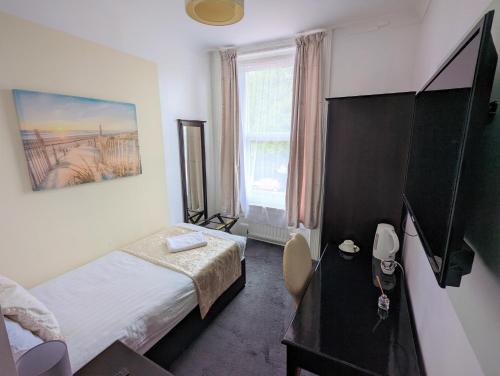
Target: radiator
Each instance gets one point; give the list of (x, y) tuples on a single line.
[(279, 235)]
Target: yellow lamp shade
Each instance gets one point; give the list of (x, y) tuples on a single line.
[(215, 12)]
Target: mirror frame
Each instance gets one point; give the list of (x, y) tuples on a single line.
[(181, 123)]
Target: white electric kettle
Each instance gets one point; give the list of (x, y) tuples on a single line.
[(386, 243)]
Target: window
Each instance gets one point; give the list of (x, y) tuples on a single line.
[(266, 85)]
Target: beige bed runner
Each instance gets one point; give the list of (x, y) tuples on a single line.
[(212, 268)]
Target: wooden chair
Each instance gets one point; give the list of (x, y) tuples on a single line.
[(297, 266)]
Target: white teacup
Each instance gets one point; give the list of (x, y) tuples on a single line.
[(349, 246)]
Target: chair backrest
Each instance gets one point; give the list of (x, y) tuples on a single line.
[(297, 266)]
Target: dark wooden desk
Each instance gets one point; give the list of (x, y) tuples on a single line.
[(337, 330)]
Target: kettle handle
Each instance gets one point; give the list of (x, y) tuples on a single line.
[(396, 242)]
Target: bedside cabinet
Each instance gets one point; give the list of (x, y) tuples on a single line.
[(120, 360)]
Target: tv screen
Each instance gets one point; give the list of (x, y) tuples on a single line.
[(434, 163), (445, 115)]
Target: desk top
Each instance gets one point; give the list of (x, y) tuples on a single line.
[(337, 318)]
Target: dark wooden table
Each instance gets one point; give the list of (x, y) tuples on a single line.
[(337, 329), (120, 360)]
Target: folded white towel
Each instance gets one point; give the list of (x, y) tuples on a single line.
[(185, 242)]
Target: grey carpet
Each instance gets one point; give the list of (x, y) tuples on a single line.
[(245, 339)]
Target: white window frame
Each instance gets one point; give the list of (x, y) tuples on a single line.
[(250, 62)]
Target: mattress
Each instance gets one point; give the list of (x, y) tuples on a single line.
[(118, 297)]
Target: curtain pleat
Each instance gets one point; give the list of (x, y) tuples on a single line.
[(303, 194), (230, 153)]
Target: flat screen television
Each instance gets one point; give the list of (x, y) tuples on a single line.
[(450, 113)]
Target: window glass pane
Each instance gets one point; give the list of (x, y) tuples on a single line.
[(268, 173), (266, 106), (269, 100)]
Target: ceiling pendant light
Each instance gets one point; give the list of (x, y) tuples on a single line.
[(215, 12)]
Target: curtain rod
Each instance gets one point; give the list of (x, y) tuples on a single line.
[(270, 44), (260, 46), (314, 31), (291, 40)]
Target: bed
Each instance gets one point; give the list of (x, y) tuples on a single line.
[(137, 302)]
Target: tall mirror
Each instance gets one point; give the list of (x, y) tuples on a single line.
[(193, 169)]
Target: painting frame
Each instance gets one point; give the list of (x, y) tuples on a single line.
[(71, 140)]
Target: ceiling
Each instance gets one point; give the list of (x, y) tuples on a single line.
[(148, 28)]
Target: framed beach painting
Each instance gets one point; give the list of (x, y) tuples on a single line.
[(72, 140)]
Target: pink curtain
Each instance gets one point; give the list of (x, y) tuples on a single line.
[(230, 152), (303, 194)]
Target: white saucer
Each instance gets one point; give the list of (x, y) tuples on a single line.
[(355, 250)]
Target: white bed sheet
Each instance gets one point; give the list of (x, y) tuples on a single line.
[(116, 297)]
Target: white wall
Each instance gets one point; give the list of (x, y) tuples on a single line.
[(185, 94), (43, 234), (445, 347), (368, 59), (459, 328), (443, 26)]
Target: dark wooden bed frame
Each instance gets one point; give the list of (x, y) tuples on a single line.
[(167, 349)]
